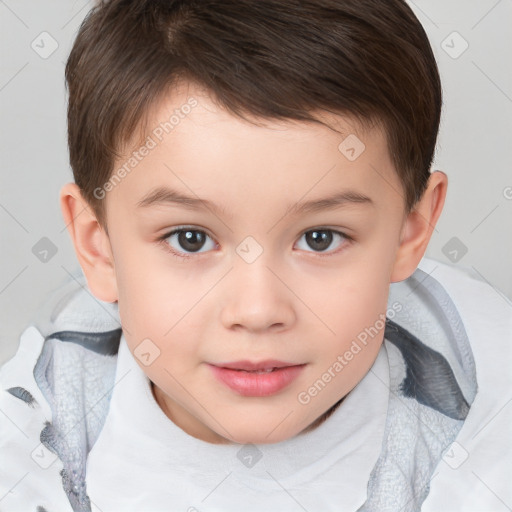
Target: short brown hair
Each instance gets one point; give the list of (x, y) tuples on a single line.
[(274, 59)]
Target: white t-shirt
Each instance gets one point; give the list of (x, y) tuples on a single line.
[(312, 471), (142, 461)]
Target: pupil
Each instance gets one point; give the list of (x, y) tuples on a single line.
[(319, 240), (191, 240)]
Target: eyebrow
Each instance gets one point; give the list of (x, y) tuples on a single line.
[(167, 196)]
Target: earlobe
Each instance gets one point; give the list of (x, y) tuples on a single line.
[(419, 226), (91, 243)]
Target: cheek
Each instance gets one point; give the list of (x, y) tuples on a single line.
[(358, 322), (353, 305), (353, 295), (155, 304), (149, 294)]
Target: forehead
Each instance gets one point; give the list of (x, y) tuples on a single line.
[(196, 144)]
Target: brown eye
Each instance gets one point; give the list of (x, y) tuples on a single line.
[(319, 240), (191, 240), (187, 240)]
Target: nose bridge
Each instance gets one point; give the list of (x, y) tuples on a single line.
[(256, 299)]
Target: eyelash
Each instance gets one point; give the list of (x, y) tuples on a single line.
[(184, 256)]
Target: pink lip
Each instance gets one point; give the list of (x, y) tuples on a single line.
[(247, 383)]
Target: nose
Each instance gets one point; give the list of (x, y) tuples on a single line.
[(256, 299)]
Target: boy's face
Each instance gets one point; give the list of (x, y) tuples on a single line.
[(265, 277)]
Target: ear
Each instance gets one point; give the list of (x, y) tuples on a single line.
[(92, 245), (418, 227)]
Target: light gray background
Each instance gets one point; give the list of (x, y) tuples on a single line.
[(474, 147)]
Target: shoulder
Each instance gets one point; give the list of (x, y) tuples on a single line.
[(472, 474), (471, 293), (17, 383), (65, 365), (29, 473)]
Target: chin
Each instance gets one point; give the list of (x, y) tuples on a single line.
[(262, 434)]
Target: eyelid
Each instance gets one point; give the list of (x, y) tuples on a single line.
[(184, 227)]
